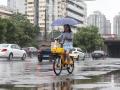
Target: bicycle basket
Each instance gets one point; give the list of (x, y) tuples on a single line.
[(57, 50)]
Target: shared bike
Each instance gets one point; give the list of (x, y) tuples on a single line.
[(62, 60)]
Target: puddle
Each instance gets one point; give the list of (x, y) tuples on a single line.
[(31, 75), (109, 81)]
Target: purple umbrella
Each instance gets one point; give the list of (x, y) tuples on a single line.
[(63, 21)]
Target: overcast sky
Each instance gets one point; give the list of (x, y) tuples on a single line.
[(3, 2), (110, 8)]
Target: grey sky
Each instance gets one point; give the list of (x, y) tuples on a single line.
[(110, 8), (3, 2)]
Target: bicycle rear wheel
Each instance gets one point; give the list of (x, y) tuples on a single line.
[(70, 66), (57, 65)]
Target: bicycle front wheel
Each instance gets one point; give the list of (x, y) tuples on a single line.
[(70, 66), (57, 65)]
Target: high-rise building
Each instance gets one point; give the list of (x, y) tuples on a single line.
[(99, 20), (116, 25), (5, 12), (17, 5), (108, 27), (54, 9)]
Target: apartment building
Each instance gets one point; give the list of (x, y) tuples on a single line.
[(54, 9), (17, 5), (99, 20), (116, 24), (5, 12), (108, 27)]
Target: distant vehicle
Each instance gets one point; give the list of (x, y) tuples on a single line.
[(44, 53), (31, 51), (98, 54), (11, 51), (77, 53)]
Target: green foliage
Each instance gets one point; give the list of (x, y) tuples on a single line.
[(17, 29), (88, 38)]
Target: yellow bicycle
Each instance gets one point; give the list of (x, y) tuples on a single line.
[(61, 59)]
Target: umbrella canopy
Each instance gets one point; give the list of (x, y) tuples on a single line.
[(63, 21)]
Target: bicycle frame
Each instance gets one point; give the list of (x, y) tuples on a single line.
[(62, 60)]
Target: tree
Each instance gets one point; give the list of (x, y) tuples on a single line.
[(1, 31), (88, 38), (7, 31), (18, 29), (25, 32)]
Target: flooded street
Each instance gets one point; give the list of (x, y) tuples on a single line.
[(32, 75)]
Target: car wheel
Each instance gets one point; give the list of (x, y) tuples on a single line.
[(24, 56), (84, 58), (39, 58), (50, 58), (10, 56)]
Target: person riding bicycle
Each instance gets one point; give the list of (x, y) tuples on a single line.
[(66, 38)]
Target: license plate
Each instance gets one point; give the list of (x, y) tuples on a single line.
[(45, 55)]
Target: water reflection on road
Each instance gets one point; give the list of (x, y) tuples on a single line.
[(31, 75)]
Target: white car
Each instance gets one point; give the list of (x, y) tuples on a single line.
[(11, 51), (78, 54)]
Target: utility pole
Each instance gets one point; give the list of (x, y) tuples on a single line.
[(45, 34), (36, 17)]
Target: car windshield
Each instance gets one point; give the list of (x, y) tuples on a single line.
[(3, 45)]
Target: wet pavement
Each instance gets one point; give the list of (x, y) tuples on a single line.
[(32, 75)]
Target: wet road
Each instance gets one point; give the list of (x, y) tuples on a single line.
[(32, 75)]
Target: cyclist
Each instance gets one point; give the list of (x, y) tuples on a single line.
[(66, 38)]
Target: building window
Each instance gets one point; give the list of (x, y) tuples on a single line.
[(30, 2)]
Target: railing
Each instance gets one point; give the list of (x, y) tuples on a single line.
[(111, 37)]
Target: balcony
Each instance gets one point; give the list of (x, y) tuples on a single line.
[(76, 9)]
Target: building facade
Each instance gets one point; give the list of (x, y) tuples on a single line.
[(17, 5), (116, 25), (54, 9), (99, 20), (5, 12), (108, 27)]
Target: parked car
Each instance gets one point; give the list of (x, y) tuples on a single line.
[(11, 51), (44, 53), (98, 54), (77, 53)]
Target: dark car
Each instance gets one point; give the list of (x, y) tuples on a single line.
[(44, 53), (98, 54)]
